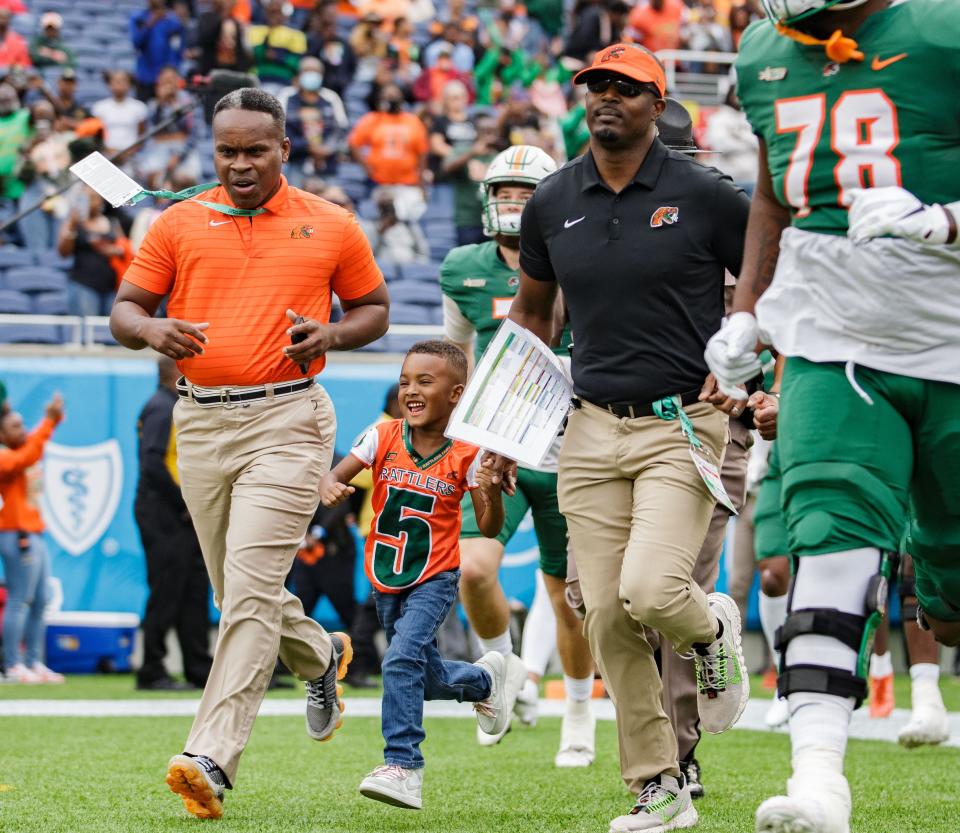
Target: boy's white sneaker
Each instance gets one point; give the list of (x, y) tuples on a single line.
[(19, 673), (394, 785), (507, 675)]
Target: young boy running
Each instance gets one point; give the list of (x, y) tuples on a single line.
[(412, 559)]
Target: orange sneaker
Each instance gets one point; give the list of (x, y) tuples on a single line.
[(199, 782), (881, 696), (769, 679)]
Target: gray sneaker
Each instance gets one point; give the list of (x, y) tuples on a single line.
[(394, 785), (324, 707), (723, 686), (199, 782), (663, 804)]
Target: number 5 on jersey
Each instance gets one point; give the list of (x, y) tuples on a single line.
[(403, 519), (864, 132)]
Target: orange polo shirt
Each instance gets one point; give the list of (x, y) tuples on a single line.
[(241, 274)]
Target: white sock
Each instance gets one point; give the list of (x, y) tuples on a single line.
[(503, 644), (881, 665), (928, 672), (773, 613), (539, 641), (818, 729), (579, 691)]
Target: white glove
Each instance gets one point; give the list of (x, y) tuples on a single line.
[(731, 353), (895, 212)]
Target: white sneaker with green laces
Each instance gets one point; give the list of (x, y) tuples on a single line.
[(663, 804), (723, 686)]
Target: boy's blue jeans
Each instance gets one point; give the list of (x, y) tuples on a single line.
[(414, 671)]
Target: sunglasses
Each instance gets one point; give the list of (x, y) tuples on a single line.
[(627, 89)]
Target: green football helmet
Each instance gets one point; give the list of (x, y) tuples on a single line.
[(517, 165)]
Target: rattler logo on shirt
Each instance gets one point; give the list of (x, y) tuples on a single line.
[(302, 232), (665, 215)]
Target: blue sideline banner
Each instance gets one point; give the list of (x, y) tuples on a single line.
[(90, 471)]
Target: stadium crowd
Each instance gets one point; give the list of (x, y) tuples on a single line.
[(393, 109)]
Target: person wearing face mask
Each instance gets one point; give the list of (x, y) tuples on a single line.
[(316, 123), (390, 143)]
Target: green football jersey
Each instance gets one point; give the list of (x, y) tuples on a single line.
[(891, 119), (482, 286)]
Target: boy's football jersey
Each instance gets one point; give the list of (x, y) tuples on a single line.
[(891, 119), (416, 503)]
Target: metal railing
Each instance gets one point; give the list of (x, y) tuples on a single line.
[(685, 83)]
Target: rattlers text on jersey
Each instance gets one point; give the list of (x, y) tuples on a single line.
[(416, 504), (891, 119)]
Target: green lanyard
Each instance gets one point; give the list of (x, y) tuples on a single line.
[(189, 193), (670, 407)]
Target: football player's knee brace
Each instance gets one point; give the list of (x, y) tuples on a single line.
[(836, 603)]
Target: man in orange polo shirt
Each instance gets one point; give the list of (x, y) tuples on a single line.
[(391, 143), (254, 432)]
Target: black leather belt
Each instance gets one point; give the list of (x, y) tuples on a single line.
[(642, 409), (237, 396)]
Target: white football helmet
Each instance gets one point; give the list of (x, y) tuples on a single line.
[(520, 165), (789, 12)]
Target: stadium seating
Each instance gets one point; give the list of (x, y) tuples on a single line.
[(409, 314), (415, 292), (51, 303), (35, 279), (15, 257), (428, 272), (14, 302)]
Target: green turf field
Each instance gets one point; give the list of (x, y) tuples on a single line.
[(105, 775)]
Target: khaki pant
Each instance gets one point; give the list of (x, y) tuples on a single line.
[(638, 512), (679, 679), (743, 560), (250, 477)]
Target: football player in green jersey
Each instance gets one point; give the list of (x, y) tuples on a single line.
[(851, 271), (478, 283)]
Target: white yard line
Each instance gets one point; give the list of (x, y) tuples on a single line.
[(861, 727)]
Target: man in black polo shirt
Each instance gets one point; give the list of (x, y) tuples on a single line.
[(638, 237)]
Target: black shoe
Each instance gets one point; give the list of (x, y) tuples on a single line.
[(691, 772), (359, 680), (164, 684)]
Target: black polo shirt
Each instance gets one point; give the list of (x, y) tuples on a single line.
[(642, 271)]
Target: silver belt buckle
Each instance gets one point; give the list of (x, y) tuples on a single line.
[(225, 399)]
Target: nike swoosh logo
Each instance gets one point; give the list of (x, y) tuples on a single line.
[(569, 223), (879, 64), (220, 223)]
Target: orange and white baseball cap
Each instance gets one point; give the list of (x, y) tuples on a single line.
[(51, 19), (629, 60)]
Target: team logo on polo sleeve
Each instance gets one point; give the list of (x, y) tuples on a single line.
[(665, 215)]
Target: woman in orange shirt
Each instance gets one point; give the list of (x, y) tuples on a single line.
[(26, 562)]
